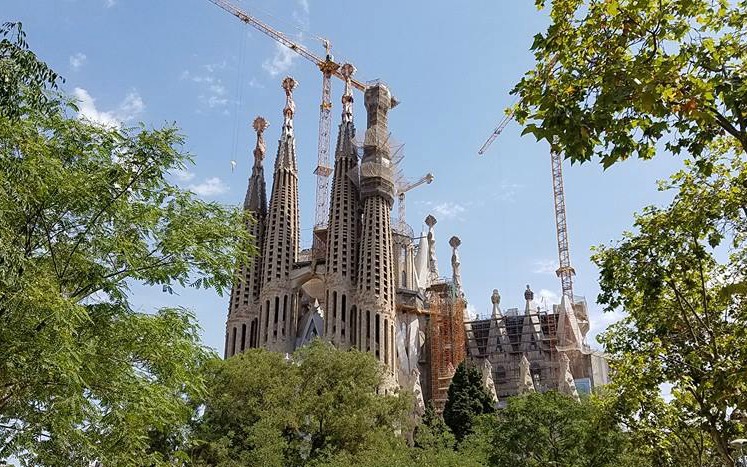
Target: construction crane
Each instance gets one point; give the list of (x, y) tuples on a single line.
[(329, 68), (565, 271), (403, 188)]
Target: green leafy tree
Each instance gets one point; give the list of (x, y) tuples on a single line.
[(86, 211), (547, 429), (614, 78), (680, 278), (320, 406), (467, 398)]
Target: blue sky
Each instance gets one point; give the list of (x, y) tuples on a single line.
[(451, 64)]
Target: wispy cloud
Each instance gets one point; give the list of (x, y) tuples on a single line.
[(214, 94), (183, 175), (304, 4), (545, 266), (77, 60), (548, 297), (130, 107), (448, 210), (506, 192), (110, 3), (281, 61), (210, 187)]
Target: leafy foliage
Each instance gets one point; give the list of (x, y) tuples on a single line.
[(85, 211), (321, 406), (467, 398), (541, 429), (616, 77), (680, 277)]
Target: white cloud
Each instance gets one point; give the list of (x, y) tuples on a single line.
[(183, 175), (547, 298), (253, 83), (110, 3), (210, 187), (77, 60), (471, 312), (507, 192), (545, 266), (448, 210), (281, 61), (214, 91), (304, 5), (130, 107)]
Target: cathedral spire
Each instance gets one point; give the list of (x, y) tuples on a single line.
[(341, 325), (281, 242), (376, 287), (242, 328)]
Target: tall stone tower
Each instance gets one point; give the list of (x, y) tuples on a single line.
[(281, 242), (242, 327), (376, 286), (341, 323)]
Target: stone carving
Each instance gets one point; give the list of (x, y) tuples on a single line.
[(566, 385), (432, 261), (417, 392), (525, 376), (260, 124), (456, 265), (496, 300), (487, 379)]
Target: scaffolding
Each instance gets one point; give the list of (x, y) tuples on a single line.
[(446, 339), (504, 340)]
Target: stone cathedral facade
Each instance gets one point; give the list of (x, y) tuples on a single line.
[(366, 284)]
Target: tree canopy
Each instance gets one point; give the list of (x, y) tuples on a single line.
[(542, 429), (321, 405), (614, 78), (467, 398), (85, 211), (680, 278)]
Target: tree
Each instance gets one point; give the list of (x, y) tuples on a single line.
[(680, 278), (616, 77), (85, 211), (467, 398), (320, 406), (543, 429)]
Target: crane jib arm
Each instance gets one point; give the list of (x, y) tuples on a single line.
[(281, 38)]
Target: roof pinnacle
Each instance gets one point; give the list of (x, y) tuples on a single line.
[(528, 294), (347, 71), (259, 125), (289, 84)]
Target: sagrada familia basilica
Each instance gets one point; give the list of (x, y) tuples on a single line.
[(369, 285)]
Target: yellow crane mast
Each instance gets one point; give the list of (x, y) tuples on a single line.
[(329, 68)]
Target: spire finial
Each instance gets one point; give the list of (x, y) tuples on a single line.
[(432, 261), (289, 84), (528, 294), (496, 297), (260, 124), (347, 71), (456, 264)]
